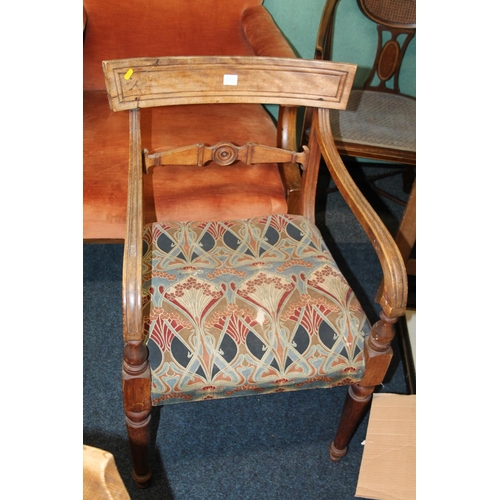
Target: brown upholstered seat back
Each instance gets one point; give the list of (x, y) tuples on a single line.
[(117, 29), (140, 28)]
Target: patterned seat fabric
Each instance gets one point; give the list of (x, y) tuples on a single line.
[(247, 307), (377, 119)]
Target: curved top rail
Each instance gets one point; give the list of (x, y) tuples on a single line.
[(163, 81)]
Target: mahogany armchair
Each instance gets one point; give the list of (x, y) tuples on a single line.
[(217, 308), (139, 28)]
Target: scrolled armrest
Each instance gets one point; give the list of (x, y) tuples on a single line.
[(395, 283)]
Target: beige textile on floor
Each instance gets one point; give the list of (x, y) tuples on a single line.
[(101, 479), (388, 466)]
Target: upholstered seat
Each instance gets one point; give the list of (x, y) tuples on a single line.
[(247, 306), (377, 119)]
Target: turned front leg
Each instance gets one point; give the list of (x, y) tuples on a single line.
[(378, 355), (355, 406), (136, 384)]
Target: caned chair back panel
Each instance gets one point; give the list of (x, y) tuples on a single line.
[(394, 13)]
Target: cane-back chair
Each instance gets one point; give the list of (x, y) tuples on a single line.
[(222, 308), (379, 122)]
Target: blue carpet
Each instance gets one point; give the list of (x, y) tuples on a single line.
[(269, 447)]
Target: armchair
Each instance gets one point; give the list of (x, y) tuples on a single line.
[(244, 305), (150, 28)]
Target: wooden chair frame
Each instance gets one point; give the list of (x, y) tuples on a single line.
[(136, 83)]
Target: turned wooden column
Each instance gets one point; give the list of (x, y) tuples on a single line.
[(356, 403), (378, 355), (136, 384)]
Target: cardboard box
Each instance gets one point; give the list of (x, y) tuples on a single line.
[(388, 466)]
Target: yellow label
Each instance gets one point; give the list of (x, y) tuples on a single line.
[(128, 74)]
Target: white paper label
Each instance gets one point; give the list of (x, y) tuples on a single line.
[(230, 79)]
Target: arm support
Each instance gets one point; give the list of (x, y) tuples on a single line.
[(395, 287), (132, 262)]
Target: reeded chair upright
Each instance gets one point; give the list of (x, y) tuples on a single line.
[(243, 306)]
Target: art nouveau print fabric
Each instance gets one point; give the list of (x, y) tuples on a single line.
[(247, 307)]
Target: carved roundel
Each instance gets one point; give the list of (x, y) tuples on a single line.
[(225, 154)]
